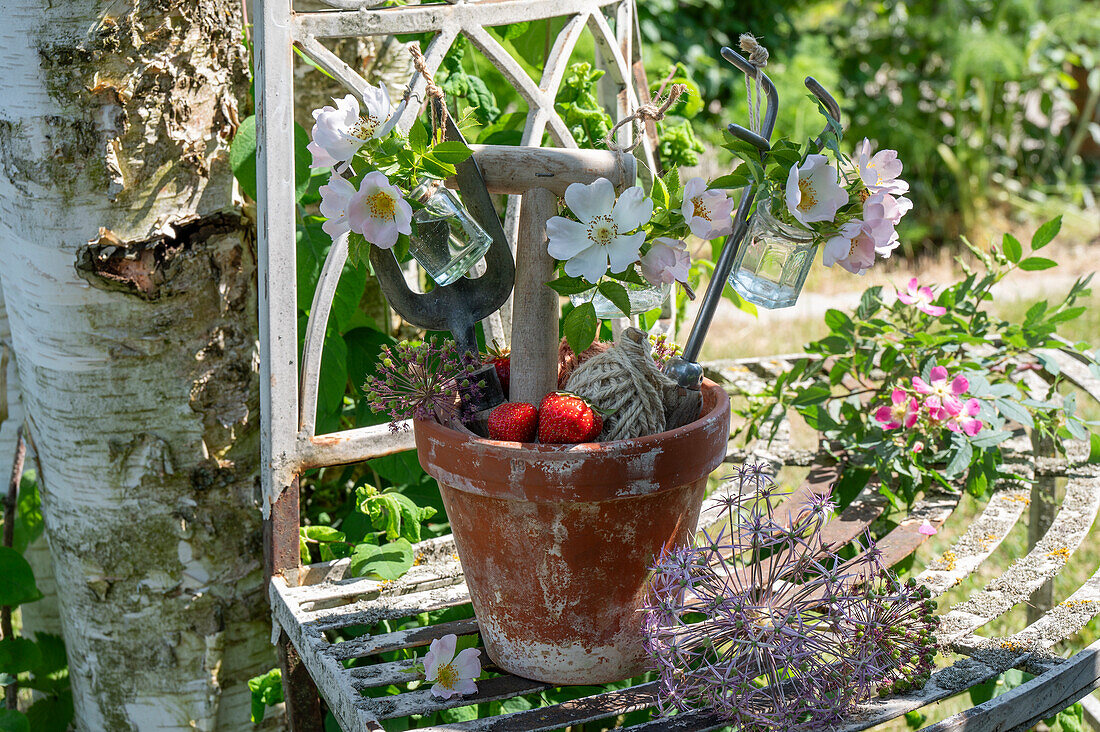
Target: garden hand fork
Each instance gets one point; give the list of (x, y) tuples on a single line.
[(458, 307)]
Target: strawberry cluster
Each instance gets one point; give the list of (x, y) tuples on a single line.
[(561, 418)]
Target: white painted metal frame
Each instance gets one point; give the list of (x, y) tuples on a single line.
[(289, 403)]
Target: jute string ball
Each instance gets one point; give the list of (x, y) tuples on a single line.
[(569, 361), (624, 383)]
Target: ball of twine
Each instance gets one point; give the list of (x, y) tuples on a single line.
[(569, 361), (624, 383)]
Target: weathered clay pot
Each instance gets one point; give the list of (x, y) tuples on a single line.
[(556, 540)]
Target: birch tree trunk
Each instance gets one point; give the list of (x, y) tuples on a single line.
[(129, 282)]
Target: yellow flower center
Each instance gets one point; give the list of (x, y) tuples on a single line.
[(900, 411), (446, 676), (809, 197), (365, 127), (701, 209), (381, 205), (602, 230)]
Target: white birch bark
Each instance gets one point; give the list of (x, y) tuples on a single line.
[(42, 615), (137, 351)]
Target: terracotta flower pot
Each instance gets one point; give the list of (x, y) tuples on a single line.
[(556, 540)]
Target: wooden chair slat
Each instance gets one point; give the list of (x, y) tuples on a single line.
[(421, 701), (575, 711), (1070, 526), (982, 537), (410, 638)]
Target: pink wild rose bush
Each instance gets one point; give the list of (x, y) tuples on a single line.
[(922, 390)]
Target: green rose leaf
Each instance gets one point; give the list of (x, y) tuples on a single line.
[(1046, 233), (617, 294), (386, 562), (18, 586), (580, 327)]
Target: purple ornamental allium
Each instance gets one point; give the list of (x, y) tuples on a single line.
[(767, 626), (423, 380)]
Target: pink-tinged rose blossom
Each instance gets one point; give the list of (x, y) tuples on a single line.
[(879, 172), (838, 248), (813, 191), (709, 214), (918, 446), (902, 412), (927, 529), (378, 211), (667, 261), (940, 393), (881, 213), (452, 674), (960, 417), (335, 196), (922, 298), (861, 253)]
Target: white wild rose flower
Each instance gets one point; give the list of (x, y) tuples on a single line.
[(340, 131), (335, 196), (602, 236), (452, 674), (813, 191)]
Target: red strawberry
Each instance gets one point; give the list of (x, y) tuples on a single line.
[(502, 362), (567, 418), (515, 421)]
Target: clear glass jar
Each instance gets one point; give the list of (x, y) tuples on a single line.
[(643, 298), (447, 241), (773, 261)]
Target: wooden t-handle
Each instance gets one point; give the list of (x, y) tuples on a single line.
[(516, 170), (534, 363), (541, 176)]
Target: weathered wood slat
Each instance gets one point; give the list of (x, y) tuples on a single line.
[(1072, 523), (369, 612), (421, 701), (411, 638), (681, 723), (329, 674), (982, 537), (574, 711), (1022, 707)]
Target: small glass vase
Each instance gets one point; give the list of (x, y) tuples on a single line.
[(447, 241), (643, 298), (773, 261)]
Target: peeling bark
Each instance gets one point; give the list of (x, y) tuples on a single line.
[(130, 284)]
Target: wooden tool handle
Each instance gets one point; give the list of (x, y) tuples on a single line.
[(510, 169), (534, 366)]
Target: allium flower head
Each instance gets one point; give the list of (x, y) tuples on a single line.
[(770, 628), (424, 380)]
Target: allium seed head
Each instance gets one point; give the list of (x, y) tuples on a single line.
[(770, 628)]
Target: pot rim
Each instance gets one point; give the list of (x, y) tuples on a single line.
[(628, 443), (591, 471)]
